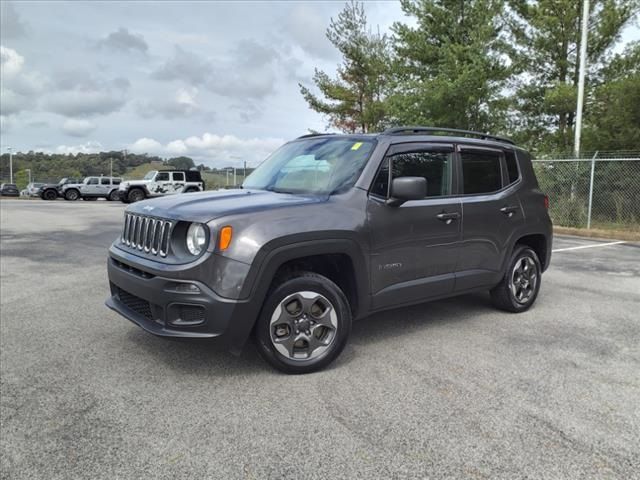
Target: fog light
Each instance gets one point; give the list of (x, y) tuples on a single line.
[(185, 288)]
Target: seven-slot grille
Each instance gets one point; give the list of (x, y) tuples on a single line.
[(147, 234)]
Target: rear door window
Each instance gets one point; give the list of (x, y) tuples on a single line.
[(481, 171), (105, 181), (178, 176)]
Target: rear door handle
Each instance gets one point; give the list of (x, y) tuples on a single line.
[(448, 217), (509, 210)]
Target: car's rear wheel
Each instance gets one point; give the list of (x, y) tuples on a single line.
[(114, 196), (135, 195), (304, 324), (520, 285), (49, 194), (72, 195)]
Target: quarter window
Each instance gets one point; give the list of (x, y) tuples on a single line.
[(512, 166), (481, 172)]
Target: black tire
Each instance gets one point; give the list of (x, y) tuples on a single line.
[(325, 289), (49, 194), (503, 296), (135, 195), (114, 196), (191, 190), (72, 195), (89, 199)]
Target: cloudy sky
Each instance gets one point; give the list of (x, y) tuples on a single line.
[(213, 80)]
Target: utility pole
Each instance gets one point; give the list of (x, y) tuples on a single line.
[(583, 67), (235, 178), (29, 170), (244, 171), (10, 165), (111, 160)]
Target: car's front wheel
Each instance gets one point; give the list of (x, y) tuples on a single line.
[(135, 195), (304, 324), (72, 195), (49, 194), (520, 285)]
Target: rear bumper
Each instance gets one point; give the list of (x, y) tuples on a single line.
[(162, 306)]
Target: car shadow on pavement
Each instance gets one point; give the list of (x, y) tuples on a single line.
[(210, 359)]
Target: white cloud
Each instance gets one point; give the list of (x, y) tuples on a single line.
[(146, 145), (211, 149), (78, 127), (10, 61), (184, 104), (89, 147)]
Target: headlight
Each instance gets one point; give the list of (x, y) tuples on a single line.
[(196, 238)]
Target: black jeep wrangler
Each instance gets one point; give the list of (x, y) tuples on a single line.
[(331, 228)]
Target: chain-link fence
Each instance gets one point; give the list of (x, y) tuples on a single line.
[(597, 192)]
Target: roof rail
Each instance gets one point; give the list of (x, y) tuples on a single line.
[(433, 130), (316, 134)]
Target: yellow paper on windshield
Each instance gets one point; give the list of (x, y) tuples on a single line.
[(356, 146)]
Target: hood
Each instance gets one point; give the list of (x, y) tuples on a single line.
[(134, 182), (206, 206)]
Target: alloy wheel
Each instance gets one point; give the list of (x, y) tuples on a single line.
[(303, 325), (524, 280)]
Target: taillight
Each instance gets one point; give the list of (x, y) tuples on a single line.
[(546, 202)]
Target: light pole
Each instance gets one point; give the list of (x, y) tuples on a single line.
[(10, 165), (28, 170), (581, 72)]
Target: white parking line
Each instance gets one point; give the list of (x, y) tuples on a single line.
[(587, 246)]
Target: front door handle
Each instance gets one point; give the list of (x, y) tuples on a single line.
[(509, 210), (448, 217)]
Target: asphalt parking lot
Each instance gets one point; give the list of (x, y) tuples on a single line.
[(448, 389)]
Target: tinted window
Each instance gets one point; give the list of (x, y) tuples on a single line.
[(178, 177), (116, 181), (512, 166), (481, 172), (433, 165), (105, 181), (92, 181), (162, 177)]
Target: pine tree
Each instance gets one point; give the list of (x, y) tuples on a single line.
[(451, 68), (547, 37), (353, 102)]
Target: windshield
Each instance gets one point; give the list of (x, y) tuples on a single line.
[(317, 165), (150, 175)]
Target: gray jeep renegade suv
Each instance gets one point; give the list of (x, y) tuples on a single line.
[(331, 228)]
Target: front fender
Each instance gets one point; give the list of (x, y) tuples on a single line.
[(269, 260)]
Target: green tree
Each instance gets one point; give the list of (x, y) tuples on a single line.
[(354, 100), (451, 67), (612, 120), (181, 163), (546, 34)]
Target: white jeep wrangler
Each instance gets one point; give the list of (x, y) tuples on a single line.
[(158, 183)]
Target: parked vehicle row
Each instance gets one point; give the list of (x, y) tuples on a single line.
[(156, 183)]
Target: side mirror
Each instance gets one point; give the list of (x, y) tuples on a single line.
[(407, 188)]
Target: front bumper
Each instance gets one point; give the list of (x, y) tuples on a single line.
[(157, 304)]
